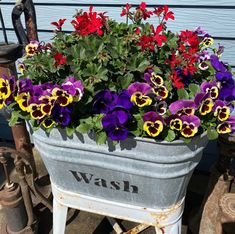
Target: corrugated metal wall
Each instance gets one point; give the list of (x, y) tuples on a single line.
[(215, 16)]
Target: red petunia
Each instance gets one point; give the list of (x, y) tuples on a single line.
[(58, 24), (59, 59), (89, 22)]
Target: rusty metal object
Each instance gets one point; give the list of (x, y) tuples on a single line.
[(15, 198), (23, 144), (12, 201), (26, 7), (220, 182)]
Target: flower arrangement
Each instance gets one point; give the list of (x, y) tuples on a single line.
[(124, 79)]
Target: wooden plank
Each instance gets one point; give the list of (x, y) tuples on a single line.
[(228, 56), (123, 2), (185, 18)]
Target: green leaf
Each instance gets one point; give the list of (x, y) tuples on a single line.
[(97, 122), (142, 66), (83, 127), (194, 88), (182, 93), (70, 131), (212, 134), (101, 137), (186, 140), (15, 115), (170, 136), (126, 80)]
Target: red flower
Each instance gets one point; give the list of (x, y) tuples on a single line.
[(125, 10), (177, 81), (190, 38), (157, 37), (58, 24), (137, 31), (158, 11), (146, 42), (167, 14), (59, 59), (89, 22), (145, 13)]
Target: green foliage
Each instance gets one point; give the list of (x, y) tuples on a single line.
[(212, 134), (182, 94), (112, 58)]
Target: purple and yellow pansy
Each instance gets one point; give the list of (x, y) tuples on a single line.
[(157, 84), (32, 48), (221, 110), (190, 125), (153, 123), (22, 100), (139, 94), (182, 107), (210, 88), (204, 103), (227, 126), (62, 97), (175, 122), (7, 90)]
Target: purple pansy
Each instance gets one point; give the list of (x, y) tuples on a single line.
[(221, 110), (153, 79), (175, 122), (190, 125), (114, 124), (223, 76), (73, 87), (104, 101), (62, 114), (218, 65), (139, 92), (227, 90), (25, 85), (204, 103), (153, 123), (200, 31), (143, 88), (211, 88), (182, 107), (147, 74), (161, 107), (227, 126)]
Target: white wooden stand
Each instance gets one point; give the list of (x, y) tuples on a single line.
[(167, 221)]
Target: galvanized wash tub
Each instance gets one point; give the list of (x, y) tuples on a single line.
[(139, 171)]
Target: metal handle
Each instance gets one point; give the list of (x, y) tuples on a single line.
[(26, 7)]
